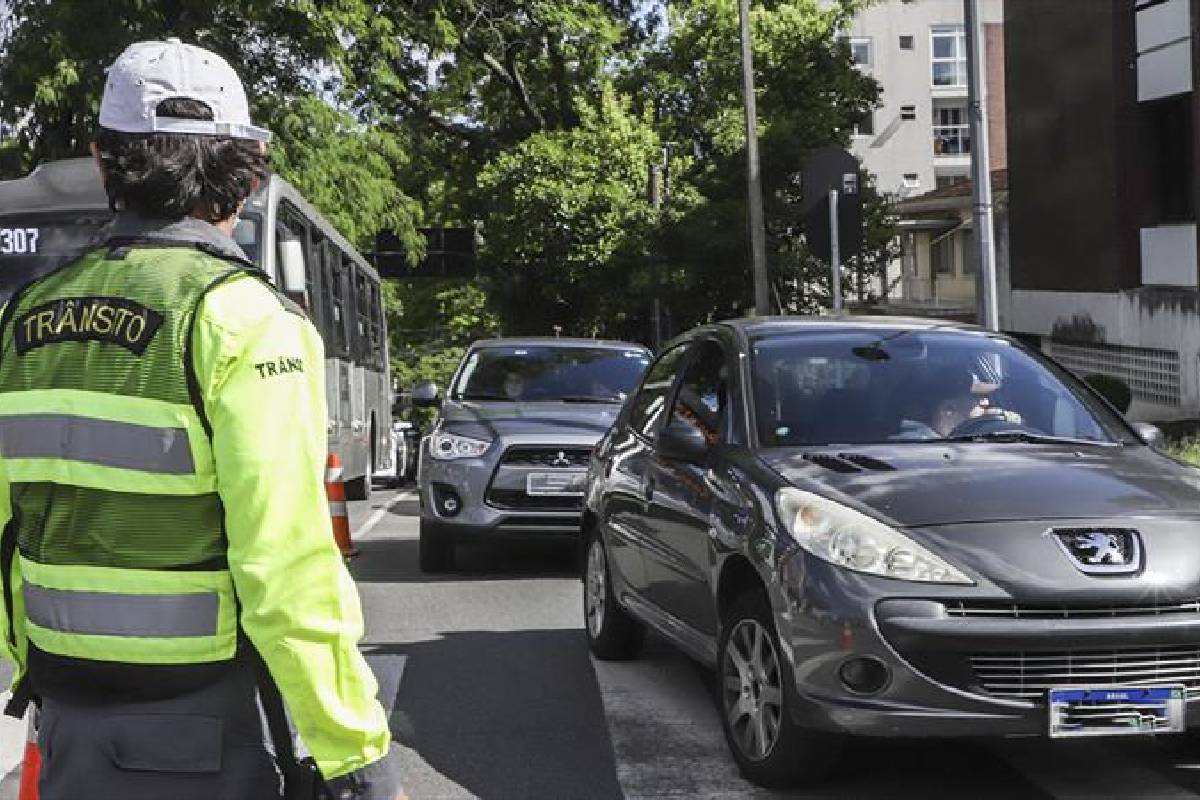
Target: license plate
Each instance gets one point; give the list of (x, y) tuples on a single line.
[(555, 484), (1116, 710)]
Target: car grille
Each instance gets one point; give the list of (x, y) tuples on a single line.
[(999, 610), (551, 457), (517, 500), (1029, 675)]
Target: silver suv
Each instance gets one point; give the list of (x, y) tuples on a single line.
[(509, 452)]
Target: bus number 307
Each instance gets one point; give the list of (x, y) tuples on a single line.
[(18, 241)]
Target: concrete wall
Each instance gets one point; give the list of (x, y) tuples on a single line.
[(900, 146), (1148, 337)]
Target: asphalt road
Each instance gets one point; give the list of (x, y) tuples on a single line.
[(492, 694)]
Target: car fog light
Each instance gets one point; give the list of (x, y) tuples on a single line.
[(447, 500), (864, 675)]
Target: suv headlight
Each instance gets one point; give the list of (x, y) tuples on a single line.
[(449, 446), (847, 538)]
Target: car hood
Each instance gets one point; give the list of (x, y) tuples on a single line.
[(915, 485), (495, 420)]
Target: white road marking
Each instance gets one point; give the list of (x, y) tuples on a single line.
[(382, 512)]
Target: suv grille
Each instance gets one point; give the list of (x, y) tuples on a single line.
[(510, 500), (1000, 610), (1029, 675), (551, 457)]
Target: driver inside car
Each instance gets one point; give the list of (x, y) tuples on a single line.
[(957, 396)]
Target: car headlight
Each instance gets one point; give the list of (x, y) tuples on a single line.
[(449, 446), (847, 538)]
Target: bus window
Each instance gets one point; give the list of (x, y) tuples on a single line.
[(313, 279)]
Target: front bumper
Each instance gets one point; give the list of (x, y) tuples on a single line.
[(952, 675), (490, 494)]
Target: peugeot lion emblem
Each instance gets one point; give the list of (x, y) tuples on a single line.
[(1107, 551), (561, 460)]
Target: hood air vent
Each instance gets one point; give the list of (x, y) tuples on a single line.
[(848, 462)]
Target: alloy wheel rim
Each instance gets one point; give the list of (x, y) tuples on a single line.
[(594, 591), (752, 688)]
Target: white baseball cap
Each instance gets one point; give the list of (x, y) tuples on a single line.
[(148, 73)]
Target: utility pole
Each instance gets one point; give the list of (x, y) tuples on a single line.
[(981, 175), (758, 235), (835, 253), (656, 203)]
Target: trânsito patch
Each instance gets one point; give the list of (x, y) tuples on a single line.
[(117, 320)]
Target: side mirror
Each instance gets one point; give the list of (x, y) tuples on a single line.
[(291, 269), (682, 442), (425, 395), (1150, 434)]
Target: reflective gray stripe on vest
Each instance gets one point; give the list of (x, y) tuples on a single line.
[(97, 441), (105, 614)]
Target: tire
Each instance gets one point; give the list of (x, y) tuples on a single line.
[(360, 488), (755, 696), (612, 634), (436, 550)]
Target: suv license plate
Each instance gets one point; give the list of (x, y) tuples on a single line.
[(555, 484), (1116, 710)]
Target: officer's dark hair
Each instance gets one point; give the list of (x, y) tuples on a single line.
[(171, 175)]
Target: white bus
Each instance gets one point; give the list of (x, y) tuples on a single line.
[(52, 215)]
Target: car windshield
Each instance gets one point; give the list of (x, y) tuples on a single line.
[(911, 386), (547, 373)]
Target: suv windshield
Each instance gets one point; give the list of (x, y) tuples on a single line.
[(904, 385), (548, 373)]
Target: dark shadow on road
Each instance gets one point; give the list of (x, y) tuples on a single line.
[(408, 507), (396, 561), (506, 715)]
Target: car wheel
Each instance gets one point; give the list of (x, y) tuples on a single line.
[(612, 634), (436, 550), (756, 695), (359, 488)]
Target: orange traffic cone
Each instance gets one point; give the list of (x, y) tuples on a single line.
[(335, 490), (31, 766)]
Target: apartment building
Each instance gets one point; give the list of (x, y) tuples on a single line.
[(1102, 147), (918, 140)]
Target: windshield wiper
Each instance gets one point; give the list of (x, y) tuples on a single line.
[(484, 396), (1026, 436), (590, 398)]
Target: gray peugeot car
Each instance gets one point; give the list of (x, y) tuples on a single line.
[(891, 527), (509, 451)]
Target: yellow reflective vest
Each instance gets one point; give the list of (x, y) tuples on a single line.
[(235, 458)]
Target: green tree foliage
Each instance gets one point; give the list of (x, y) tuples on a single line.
[(567, 221), (52, 62), (809, 94)]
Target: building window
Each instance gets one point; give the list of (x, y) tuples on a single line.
[(906, 43), (1171, 124), (966, 249), (864, 124), (860, 51), (941, 255), (912, 180), (908, 112), (948, 45), (946, 181), (951, 133)]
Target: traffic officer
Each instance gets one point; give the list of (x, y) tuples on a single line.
[(169, 533)]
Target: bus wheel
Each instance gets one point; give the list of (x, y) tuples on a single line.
[(360, 488)]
